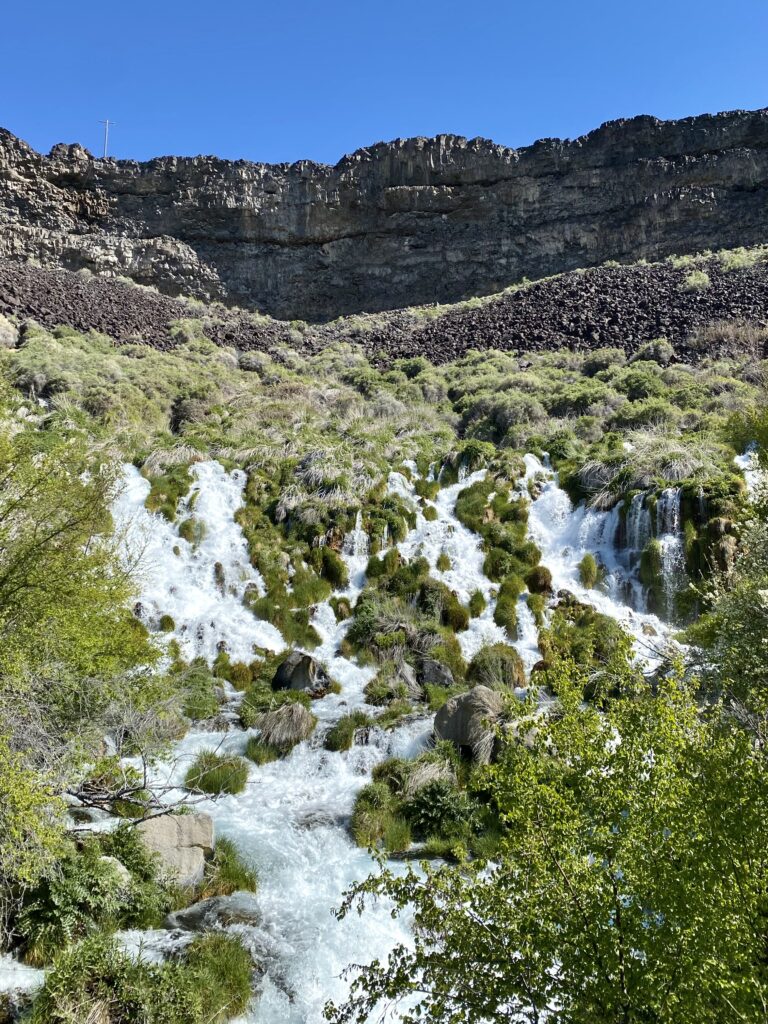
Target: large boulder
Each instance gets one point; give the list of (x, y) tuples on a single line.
[(182, 843), (300, 671), (469, 721), (217, 912)]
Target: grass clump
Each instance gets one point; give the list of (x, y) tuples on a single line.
[(215, 774), (589, 571), (341, 735), (696, 281), (477, 604), (443, 562), (227, 872), (167, 490), (259, 752), (198, 687)]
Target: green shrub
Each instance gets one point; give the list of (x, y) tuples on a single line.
[(192, 530), (496, 666), (239, 675), (696, 281), (227, 872), (427, 488), (199, 689), (537, 603), (342, 608), (477, 604), (372, 815), (588, 571), (217, 773), (259, 752), (430, 513), (260, 699), (167, 490), (443, 562), (539, 580), (397, 835), (341, 735), (223, 973), (333, 568), (439, 808), (167, 624)]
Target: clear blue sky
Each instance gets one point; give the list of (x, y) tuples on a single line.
[(288, 79)]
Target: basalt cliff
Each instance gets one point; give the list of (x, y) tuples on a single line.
[(394, 225)]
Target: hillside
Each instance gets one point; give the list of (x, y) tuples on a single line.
[(612, 306), (394, 225)]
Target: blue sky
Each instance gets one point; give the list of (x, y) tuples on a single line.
[(287, 80)]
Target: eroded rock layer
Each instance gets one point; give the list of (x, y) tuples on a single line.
[(394, 225)]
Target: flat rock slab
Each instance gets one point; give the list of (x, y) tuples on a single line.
[(217, 912)]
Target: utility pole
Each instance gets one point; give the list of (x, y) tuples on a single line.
[(106, 124)]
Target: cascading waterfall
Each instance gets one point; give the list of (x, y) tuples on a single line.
[(291, 819), (356, 542), (638, 523), (672, 552)]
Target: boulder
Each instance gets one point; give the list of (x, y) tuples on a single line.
[(217, 912), (469, 721), (182, 842), (9, 334), (300, 671), (434, 673)]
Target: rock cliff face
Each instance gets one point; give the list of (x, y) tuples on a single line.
[(398, 224)]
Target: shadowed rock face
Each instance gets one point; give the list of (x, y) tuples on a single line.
[(398, 224)]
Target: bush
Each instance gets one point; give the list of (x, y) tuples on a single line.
[(199, 690), (696, 281), (588, 571), (496, 666), (217, 773), (430, 513), (259, 752), (439, 808), (443, 562), (342, 734), (167, 624), (539, 580), (227, 872), (223, 973), (333, 568), (477, 604)]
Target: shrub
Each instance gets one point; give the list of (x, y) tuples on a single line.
[(333, 568), (167, 624), (443, 562), (341, 735), (427, 488), (260, 699), (372, 815), (539, 580), (342, 608), (259, 752), (696, 281), (588, 571), (496, 666), (192, 530), (199, 690), (217, 773), (227, 872), (167, 490), (430, 513), (477, 604), (397, 835), (210, 984), (437, 808)]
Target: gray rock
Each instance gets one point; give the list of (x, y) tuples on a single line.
[(217, 912), (9, 335), (434, 673), (182, 843), (407, 675), (396, 224), (301, 671), (469, 721), (119, 869)]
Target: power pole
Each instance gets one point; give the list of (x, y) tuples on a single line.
[(106, 124)]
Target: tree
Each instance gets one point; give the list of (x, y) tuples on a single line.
[(631, 885)]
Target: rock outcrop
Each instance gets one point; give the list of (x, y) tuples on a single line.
[(182, 843), (397, 224)]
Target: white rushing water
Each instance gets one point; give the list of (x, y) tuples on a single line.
[(291, 821), (565, 534), (447, 536)]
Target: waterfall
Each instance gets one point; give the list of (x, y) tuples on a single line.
[(385, 537), (356, 543), (638, 523), (669, 534)]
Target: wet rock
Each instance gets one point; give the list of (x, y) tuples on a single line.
[(300, 671), (182, 843), (118, 868), (217, 912), (405, 674)]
